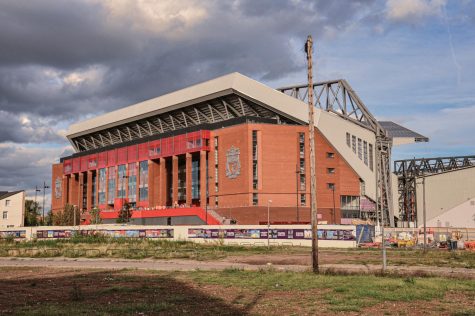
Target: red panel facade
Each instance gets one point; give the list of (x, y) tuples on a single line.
[(112, 157), (76, 165), (143, 151), (92, 162), (122, 155), (132, 153), (102, 159)]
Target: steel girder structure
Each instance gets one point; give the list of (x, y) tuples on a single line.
[(338, 97), (213, 111), (409, 170)]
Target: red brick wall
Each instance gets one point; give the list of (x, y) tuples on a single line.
[(57, 173), (278, 160)]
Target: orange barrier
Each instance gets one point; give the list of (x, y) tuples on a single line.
[(470, 245)]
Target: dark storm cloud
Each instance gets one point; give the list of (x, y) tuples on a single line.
[(21, 129), (252, 37), (63, 60)]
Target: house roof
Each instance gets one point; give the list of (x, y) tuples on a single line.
[(4, 194)]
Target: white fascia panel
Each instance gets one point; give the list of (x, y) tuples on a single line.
[(334, 128)]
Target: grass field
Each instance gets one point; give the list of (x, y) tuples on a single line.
[(101, 247), (46, 291)]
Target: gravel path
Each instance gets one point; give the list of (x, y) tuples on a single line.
[(190, 265)]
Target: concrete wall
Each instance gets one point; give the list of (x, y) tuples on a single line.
[(15, 211), (462, 215), (182, 233), (445, 191)]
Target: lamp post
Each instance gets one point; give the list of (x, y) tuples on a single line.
[(268, 223), (44, 196), (334, 210), (36, 203)]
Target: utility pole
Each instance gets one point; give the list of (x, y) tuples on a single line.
[(36, 204), (313, 180), (379, 201), (44, 196)]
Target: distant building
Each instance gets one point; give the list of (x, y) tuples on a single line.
[(12, 209), (222, 151), (445, 185)]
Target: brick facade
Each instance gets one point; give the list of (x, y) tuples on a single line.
[(243, 191)]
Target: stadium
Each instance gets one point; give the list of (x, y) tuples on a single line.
[(233, 151)]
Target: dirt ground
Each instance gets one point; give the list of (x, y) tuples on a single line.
[(248, 262), (56, 291)]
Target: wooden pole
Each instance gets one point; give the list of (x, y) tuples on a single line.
[(313, 180)]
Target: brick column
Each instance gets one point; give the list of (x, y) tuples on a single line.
[(73, 190), (203, 179), (174, 179), (89, 191), (188, 179), (137, 189), (162, 197), (80, 190), (107, 188), (64, 190), (126, 182), (151, 187), (96, 196)]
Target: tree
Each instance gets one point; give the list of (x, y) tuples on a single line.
[(125, 214), (66, 216), (95, 216), (49, 218), (32, 212)]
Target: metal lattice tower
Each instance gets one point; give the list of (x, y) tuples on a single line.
[(338, 97), (409, 170)]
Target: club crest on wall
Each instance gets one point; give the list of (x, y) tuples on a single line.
[(57, 187), (233, 163)]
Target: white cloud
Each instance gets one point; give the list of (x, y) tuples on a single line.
[(167, 17), (413, 10)]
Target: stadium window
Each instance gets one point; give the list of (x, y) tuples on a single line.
[(331, 170), (111, 185), (102, 186), (370, 157), (303, 200), (302, 165), (132, 182), (143, 180), (348, 139), (302, 182), (330, 155), (255, 199), (360, 149), (255, 155), (216, 161), (353, 143), (331, 186), (302, 145), (365, 153)]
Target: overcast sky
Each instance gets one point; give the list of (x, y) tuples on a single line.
[(411, 61)]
